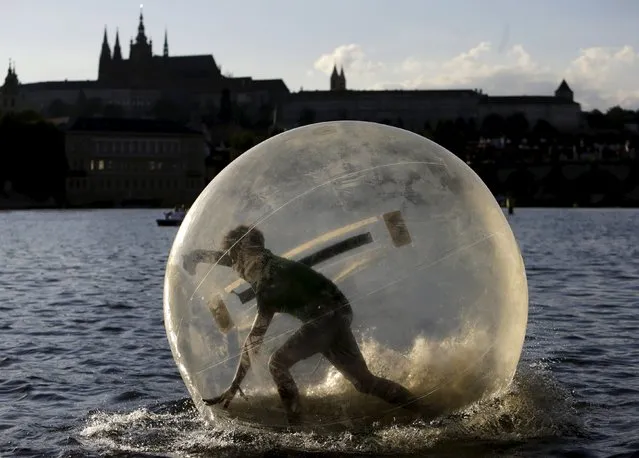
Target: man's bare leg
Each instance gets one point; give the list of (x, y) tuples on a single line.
[(307, 341), (286, 388), (346, 356)]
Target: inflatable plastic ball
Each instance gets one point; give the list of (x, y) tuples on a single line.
[(342, 274)]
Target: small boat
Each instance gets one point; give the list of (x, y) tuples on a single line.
[(172, 218)]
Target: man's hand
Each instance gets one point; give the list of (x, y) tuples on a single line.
[(226, 397)]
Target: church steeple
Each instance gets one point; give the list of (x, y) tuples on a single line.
[(166, 44), (342, 79), (141, 38), (10, 90), (106, 49), (564, 91), (117, 51), (338, 79), (334, 79), (11, 82), (105, 57), (141, 49)]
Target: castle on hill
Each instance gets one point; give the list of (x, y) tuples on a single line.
[(133, 86), (136, 85), (144, 70), (414, 109)]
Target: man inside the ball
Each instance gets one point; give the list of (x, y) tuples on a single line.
[(285, 286)]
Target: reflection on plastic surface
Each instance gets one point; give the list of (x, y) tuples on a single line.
[(416, 262)]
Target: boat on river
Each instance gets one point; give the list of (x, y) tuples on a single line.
[(172, 218)]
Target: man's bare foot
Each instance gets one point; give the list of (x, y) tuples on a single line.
[(427, 414), (294, 414)]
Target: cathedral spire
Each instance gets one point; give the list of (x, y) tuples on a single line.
[(141, 38), (117, 51), (105, 57), (11, 82), (166, 43), (106, 49), (141, 48), (335, 80)]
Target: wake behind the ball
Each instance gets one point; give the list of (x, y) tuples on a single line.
[(327, 413)]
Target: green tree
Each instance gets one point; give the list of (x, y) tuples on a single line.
[(32, 156), (242, 117), (307, 116), (516, 126), (342, 114), (492, 126), (27, 117), (596, 120), (543, 129), (59, 109), (448, 136), (243, 140), (225, 114), (617, 117), (264, 118), (427, 131)]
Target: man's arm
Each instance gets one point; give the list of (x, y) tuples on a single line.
[(192, 259), (252, 343)]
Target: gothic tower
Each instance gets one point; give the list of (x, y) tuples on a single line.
[(342, 80), (334, 79), (10, 91), (105, 58), (142, 50), (338, 80), (117, 51), (166, 44), (564, 91)]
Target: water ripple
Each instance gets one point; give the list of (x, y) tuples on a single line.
[(85, 367)]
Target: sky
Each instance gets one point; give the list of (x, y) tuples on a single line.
[(504, 47)]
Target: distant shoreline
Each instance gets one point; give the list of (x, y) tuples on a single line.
[(4, 209), (556, 184)]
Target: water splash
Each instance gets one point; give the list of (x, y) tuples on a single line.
[(534, 407)]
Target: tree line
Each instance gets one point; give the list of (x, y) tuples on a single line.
[(613, 126), (33, 160), (32, 157)]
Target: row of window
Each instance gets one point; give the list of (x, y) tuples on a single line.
[(145, 103), (131, 166), (133, 183), (123, 146), (137, 146)]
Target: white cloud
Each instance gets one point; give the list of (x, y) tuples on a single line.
[(600, 77), (352, 58), (607, 76)]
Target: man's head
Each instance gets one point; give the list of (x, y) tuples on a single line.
[(243, 239)]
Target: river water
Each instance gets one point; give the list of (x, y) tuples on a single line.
[(86, 370)]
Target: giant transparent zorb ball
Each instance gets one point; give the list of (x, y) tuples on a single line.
[(407, 231)]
